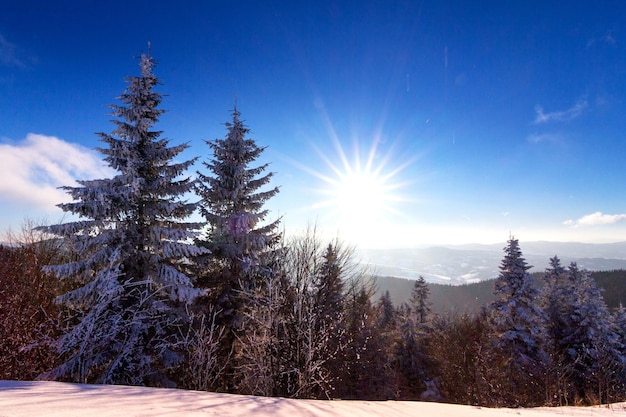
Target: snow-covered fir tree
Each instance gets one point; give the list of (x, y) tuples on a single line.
[(232, 202), (517, 319), (518, 323), (132, 247), (244, 255), (593, 346), (556, 298)]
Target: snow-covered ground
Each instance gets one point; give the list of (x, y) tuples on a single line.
[(68, 400)]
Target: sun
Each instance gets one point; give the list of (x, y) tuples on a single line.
[(360, 194), (359, 191)]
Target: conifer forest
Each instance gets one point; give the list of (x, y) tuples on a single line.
[(130, 291)]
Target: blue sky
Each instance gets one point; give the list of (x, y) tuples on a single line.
[(389, 123)]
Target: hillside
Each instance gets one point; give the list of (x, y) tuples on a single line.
[(469, 298)]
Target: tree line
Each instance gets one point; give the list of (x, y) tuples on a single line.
[(131, 292), (471, 298)]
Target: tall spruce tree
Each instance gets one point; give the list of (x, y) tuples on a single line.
[(518, 325), (243, 256), (232, 204), (132, 246)]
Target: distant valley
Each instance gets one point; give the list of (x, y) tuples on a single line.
[(472, 263)]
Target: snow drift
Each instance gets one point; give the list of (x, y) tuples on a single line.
[(25, 399)]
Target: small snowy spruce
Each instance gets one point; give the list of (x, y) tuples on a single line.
[(557, 297), (592, 345), (132, 247)]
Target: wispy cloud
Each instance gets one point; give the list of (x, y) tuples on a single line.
[(33, 169), (545, 137), (597, 218), (608, 38), (8, 54), (560, 116)]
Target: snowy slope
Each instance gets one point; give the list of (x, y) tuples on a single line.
[(69, 400)]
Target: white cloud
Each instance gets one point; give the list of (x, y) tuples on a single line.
[(560, 116), (595, 219), (33, 169)]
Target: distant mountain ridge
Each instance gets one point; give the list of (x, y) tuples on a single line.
[(471, 263), (471, 298)]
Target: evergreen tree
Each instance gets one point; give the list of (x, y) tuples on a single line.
[(557, 300), (583, 343), (593, 345), (329, 285), (556, 297), (131, 246), (518, 326), (232, 204), (413, 363), (231, 201), (328, 308), (243, 259), (360, 374), (386, 320), (419, 302)]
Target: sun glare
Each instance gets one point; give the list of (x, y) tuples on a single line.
[(359, 192), (360, 199)]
